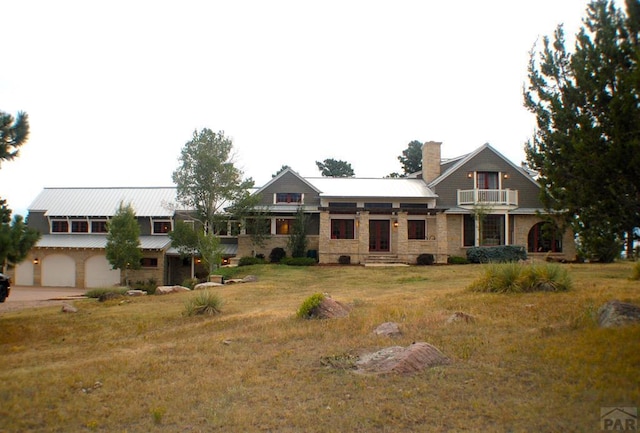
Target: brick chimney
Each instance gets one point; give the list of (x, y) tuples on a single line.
[(430, 160)]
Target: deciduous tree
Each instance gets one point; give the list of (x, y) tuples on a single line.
[(123, 241), (586, 146)]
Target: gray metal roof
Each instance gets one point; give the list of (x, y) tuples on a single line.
[(373, 188), (104, 202), (156, 242), (227, 250)]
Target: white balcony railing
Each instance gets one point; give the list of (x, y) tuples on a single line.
[(506, 197)]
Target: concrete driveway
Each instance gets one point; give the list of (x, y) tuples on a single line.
[(28, 297)]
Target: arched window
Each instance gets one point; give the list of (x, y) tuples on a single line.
[(544, 237)]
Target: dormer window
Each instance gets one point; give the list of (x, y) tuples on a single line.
[(161, 227), (59, 226), (79, 226), (288, 197)]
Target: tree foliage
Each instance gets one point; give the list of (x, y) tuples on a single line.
[(14, 132), (16, 239), (283, 168), (335, 168), (298, 236), (123, 241), (207, 179), (586, 147), (411, 158)]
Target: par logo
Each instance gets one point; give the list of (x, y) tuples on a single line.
[(619, 418)]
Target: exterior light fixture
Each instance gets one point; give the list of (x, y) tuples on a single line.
[(470, 174), (36, 261), (395, 223), (506, 175)]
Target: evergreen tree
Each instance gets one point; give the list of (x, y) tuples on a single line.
[(123, 241), (411, 158), (586, 146), (335, 168), (298, 237), (16, 239), (13, 134)]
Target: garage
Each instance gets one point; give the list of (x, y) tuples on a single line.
[(98, 273), (58, 270), (24, 274)]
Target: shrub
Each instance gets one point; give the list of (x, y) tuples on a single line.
[(636, 271), (457, 260), (277, 254), (308, 308), (499, 254), (148, 286), (228, 272), (204, 302), (344, 260), (425, 259), (189, 282), (516, 278), (248, 261), (96, 293), (298, 261)]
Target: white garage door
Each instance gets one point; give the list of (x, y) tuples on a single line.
[(24, 274), (58, 270), (98, 273)]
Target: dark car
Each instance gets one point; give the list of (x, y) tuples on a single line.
[(5, 287)]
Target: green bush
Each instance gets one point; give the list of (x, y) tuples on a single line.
[(298, 261), (97, 292), (425, 259), (277, 254), (308, 308), (204, 302), (457, 260), (190, 282), (248, 261), (344, 260), (518, 278), (499, 254), (148, 286)]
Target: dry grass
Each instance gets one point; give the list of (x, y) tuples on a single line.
[(531, 362)]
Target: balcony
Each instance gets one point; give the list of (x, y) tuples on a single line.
[(490, 197)]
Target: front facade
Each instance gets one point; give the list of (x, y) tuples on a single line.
[(479, 199)]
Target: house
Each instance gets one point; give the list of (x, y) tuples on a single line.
[(477, 199), (480, 198)]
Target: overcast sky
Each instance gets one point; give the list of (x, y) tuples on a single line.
[(114, 89)]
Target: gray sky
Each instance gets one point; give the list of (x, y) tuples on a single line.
[(115, 89)]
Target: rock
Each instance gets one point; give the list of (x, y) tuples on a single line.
[(330, 309), (135, 293), (250, 279), (165, 290), (209, 285), (459, 316), (403, 360), (109, 296), (616, 313), (389, 329), (68, 308)]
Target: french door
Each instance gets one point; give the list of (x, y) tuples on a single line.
[(378, 235)]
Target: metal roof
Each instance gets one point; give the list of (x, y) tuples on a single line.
[(156, 242), (104, 202), (373, 188), (227, 250)]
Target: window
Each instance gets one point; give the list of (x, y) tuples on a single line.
[(469, 231), (59, 226), (378, 205), (414, 205), (544, 237), (493, 230), (417, 229), (79, 227), (487, 180), (284, 226), (342, 229), (342, 204), (221, 228), (258, 226), (149, 262), (288, 197), (161, 227), (99, 227)]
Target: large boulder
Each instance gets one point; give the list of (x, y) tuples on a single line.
[(165, 290), (388, 329), (329, 308), (616, 313), (403, 360), (207, 285)]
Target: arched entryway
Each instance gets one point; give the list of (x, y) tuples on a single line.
[(544, 237)]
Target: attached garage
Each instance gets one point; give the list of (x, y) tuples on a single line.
[(24, 274), (98, 273), (58, 270)]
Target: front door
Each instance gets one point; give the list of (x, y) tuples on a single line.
[(378, 235)]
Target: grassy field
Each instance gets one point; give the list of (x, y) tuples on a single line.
[(531, 362)]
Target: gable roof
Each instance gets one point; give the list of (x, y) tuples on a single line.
[(371, 187), (459, 162), (281, 174), (104, 202)]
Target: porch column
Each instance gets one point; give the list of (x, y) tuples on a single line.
[(506, 229)]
